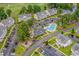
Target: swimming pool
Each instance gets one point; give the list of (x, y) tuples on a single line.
[(51, 27)]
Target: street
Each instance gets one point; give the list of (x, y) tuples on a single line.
[(39, 43)]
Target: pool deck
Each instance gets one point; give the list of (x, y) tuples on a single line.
[(48, 28)]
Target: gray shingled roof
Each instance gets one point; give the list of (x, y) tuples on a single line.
[(8, 22), (39, 31), (3, 31), (52, 11), (44, 22), (49, 20), (66, 12), (41, 15), (24, 17), (75, 49), (63, 40)]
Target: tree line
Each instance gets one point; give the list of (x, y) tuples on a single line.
[(30, 9), (4, 13)]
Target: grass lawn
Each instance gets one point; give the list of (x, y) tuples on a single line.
[(54, 16), (52, 40), (36, 53), (67, 33), (76, 34), (55, 46), (19, 49), (67, 50), (39, 37), (69, 26), (1, 44)]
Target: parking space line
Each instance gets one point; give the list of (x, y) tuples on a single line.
[(57, 49)]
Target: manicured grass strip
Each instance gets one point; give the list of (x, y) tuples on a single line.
[(70, 26), (0, 44), (40, 53), (58, 50), (67, 33), (75, 34), (34, 51), (52, 40), (54, 16), (36, 54), (19, 50)]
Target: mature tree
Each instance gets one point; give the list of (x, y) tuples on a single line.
[(73, 31), (52, 5), (62, 20), (60, 5), (65, 6), (62, 32), (36, 52), (30, 22), (46, 43), (30, 8), (59, 11), (8, 11), (58, 22), (23, 31), (45, 8), (77, 12), (36, 8), (74, 17), (3, 15), (67, 17), (23, 10)]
